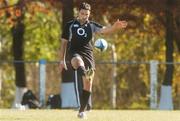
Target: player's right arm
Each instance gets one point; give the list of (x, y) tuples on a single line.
[(64, 42), (63, 54)]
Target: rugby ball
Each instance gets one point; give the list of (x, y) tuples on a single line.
[(101, 44)]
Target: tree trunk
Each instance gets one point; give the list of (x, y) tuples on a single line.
[(166, 100), (18, 46), (169, 45), (68, 13), (18, 51)]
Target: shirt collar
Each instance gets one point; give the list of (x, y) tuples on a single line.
[(84, 24)]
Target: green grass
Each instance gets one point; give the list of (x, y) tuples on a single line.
[(94, 115)]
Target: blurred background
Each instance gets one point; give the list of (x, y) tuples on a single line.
[(30, 30)]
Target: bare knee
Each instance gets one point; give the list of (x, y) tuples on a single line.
[(76, 62)]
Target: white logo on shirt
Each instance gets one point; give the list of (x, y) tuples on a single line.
[(76, 25), (81, 32)]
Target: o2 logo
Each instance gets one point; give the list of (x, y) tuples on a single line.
[(81, 32)]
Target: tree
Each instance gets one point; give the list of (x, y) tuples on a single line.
[(18, 45), (169, 43), (68, 13), (166, 91)]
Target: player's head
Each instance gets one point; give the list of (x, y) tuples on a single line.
[(84, 11)]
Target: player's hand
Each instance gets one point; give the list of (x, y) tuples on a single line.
[(120, 24), (62, 65)]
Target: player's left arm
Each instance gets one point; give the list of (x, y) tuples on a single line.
[(116, 26)]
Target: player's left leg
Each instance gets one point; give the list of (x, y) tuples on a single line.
[(79, 87), (87, 88)]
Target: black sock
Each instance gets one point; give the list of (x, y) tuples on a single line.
[(85, 98), (89, 105), (80, 87), (81, 72)]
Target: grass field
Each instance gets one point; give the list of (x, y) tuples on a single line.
[(94, 115)]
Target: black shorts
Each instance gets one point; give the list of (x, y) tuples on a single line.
[(88, 59)]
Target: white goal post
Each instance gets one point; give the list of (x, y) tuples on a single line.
[(153, 83)]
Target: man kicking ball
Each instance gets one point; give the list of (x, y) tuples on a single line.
[(79, 32)]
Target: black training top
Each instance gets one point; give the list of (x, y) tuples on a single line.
[(80, 38)]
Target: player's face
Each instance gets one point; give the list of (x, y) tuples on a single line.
[(84, 15)]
